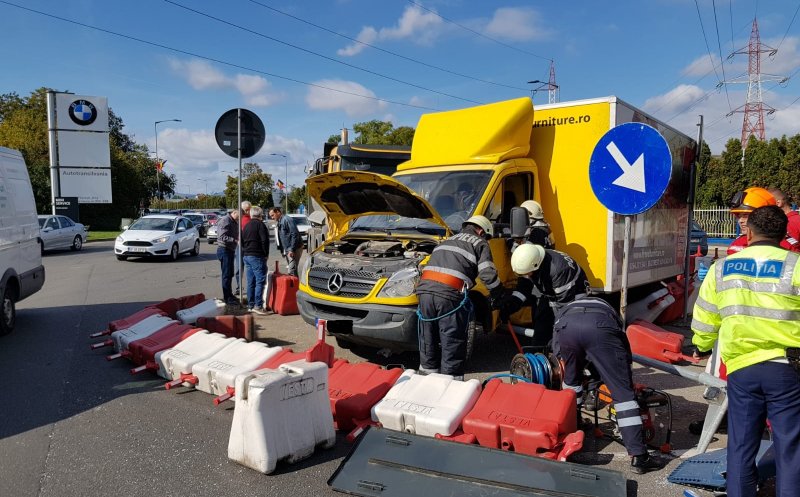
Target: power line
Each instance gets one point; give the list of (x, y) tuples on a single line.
[(331, 59), (410, 59), (705, 39), (719, 46), (477, 32), (211, 59), (790, 26)]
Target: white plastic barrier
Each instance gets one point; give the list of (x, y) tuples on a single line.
[(219, 371), (206, 309), (281, 414), (648, 308), (426, 405), (144, 328), (180, 359)]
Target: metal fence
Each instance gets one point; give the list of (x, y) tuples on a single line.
[(717, 222)]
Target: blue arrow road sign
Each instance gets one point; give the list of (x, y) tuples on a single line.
[(630, 168)]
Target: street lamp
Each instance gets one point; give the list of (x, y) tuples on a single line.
[(286, 186), (155, 131), (206, 182)]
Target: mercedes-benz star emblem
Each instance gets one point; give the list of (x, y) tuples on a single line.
[(335, 283)]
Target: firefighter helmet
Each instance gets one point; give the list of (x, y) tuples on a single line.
[(481, 222), (527, 258), (534, 209), (748, 200)]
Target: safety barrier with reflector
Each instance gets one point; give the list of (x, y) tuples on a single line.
[(652, 341), (169, 307), (525, 418), (281, 414), (426, 405), (144, 328), (206, 309), (215, 374), (177, 361), (233, 326)]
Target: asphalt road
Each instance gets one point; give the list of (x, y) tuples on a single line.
[(73, 424)]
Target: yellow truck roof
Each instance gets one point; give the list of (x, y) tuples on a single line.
[(487, 134)]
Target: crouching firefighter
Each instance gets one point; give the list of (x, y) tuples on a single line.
[(587, 329), (444, 306)]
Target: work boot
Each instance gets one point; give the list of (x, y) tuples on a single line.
[(645, 463)]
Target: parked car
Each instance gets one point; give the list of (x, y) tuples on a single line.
[(699, 237), (199, 220), (161, 235), (60, 232), (212, 218), (301, 220), (211, 234)]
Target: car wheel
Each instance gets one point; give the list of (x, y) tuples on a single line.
[(122, 257), (196, 249), (77, 243), (173, 254), (9, 312)]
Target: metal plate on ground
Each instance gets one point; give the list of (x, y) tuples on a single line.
[(394, 464), (708, 470)]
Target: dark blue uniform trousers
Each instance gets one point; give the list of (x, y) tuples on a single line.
[(593, 333), (443, 342), (767, 390)]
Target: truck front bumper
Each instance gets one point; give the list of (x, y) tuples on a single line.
[(374, 325)]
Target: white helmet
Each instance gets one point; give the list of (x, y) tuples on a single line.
[(481, 222), (527, 258), (534, 209)]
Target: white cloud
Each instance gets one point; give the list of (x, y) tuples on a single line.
[(701, 65), (420, 26), (201, 75), (517, 24), (675, 100), (349, 102)]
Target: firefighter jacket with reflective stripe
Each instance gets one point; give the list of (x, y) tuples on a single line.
[(559, 279), (466, 256), (750, 301)]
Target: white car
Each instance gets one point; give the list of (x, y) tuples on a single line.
[(301, 221), (60, 232), (159, 235)]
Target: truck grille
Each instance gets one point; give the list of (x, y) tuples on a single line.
[(137, 244), (355, 284)]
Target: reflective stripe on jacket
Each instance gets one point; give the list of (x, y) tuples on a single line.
[(751, 304)]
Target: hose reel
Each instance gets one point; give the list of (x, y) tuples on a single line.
[(536, 367)]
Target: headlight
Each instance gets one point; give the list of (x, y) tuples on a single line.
[(120, 239), (303, 270), (163, 239), (400, 284)]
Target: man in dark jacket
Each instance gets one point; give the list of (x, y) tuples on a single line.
[(255, 249), (289, 238), (444, 306), (227, 238)]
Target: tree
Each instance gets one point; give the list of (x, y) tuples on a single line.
[(256, 186), (298, 196), (378, 133)]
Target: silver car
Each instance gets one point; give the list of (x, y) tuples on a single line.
[(60, 232)]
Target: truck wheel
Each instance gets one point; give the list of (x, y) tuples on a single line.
[(9, 312), (474, 329)]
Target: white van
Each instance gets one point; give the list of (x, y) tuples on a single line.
[(20, 258)]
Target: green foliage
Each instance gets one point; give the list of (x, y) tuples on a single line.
[(379, 133), (256, 186), (334, 139), (298, 196)]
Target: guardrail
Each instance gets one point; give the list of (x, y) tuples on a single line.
[(717, 222)]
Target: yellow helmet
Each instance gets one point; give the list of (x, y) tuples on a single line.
[(527, 258), (750, 200)]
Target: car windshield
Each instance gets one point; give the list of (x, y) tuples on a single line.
[(300, 220), (195, 218), (153, 224)]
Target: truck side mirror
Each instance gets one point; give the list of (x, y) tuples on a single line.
[(519, 222)]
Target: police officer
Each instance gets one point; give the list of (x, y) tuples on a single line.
[(538, 231), (750, 302), (444, 306), (549, 279), (587, 329)]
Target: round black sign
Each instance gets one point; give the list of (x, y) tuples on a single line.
[(227, 129), (82, 112)]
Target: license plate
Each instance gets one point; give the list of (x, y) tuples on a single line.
[(137, 249), (695, 240)]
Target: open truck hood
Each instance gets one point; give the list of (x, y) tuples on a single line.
[(348, 195)]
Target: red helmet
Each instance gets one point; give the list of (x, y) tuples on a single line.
[(750, 199)]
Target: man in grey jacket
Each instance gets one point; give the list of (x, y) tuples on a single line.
[(289, 239), (227, 241)]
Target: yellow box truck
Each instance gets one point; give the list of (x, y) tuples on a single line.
[(482, 160)]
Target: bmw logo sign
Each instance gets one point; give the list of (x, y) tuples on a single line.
[(82, 112)]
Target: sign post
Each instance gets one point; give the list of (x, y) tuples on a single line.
[(629, 171)]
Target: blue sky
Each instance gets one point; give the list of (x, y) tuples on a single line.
[(434, 55)]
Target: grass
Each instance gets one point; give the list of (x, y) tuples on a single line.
[(95, 236)]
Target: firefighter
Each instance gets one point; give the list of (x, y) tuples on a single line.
[(587, 329), (538, 231), (444, 306), (742, 204), (750, 304), (793, 228), (556, 280)]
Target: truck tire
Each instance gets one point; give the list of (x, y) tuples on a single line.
[(8, 312), (474, 328)]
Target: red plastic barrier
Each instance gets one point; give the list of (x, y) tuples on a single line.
[(286, 295), (525, 418), (460, 437), (652, 341), (355, 388), (231, 326), (172, 306), (144, 350), (675, 310)]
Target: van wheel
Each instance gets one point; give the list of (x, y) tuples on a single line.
[(196, 249), (41, 247), (9, 312), (173, 254), (77, 243), (474, 328)]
